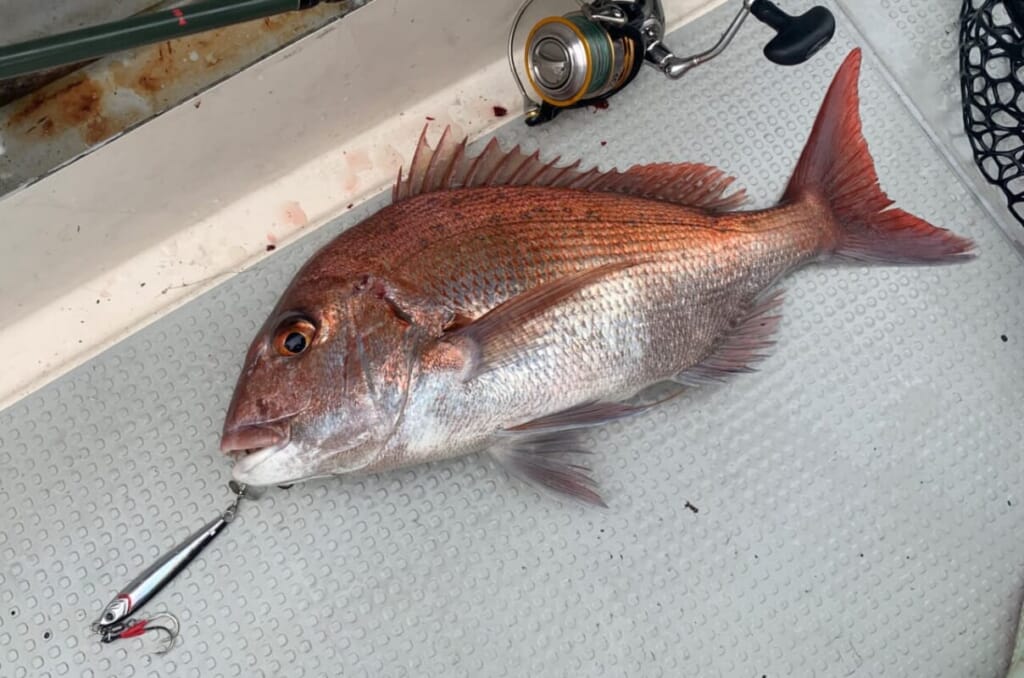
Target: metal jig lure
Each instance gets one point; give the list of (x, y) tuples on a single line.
[(114, 622)]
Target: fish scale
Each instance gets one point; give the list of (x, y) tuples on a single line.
[(588, 230), (476, 314), (617, 336)]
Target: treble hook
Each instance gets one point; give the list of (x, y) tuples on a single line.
[(131, 628)]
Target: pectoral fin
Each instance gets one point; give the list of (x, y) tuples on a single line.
[(582, 416), (501, 335), (536, 450), (540, 459)]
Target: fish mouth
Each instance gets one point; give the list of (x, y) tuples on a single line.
[(251, 445), (248, 461), (250, 438)]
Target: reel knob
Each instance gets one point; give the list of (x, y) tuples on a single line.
[(798, 37)]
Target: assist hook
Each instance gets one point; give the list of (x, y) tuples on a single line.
[(165, 622)]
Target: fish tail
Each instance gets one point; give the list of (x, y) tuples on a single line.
[(836, 169)]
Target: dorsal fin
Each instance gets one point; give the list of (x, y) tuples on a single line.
[(448, 166)]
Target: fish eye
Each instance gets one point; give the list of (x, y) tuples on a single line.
[(294, 337)]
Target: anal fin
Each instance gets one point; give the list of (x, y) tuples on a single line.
[(540, 458), (741, 346)]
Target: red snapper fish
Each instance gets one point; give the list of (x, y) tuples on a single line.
[(504, 304)]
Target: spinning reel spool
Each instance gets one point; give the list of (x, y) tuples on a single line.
[(588, 55)]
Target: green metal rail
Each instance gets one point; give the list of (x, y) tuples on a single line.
[(144, 29)]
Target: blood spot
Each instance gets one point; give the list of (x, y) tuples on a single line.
[(293, 215)]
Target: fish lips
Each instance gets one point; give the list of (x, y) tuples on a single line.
[(250, 438), (262, 467), (257, 451)]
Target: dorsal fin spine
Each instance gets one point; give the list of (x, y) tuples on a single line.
[(435, 158), (447, 166), (457, 156)]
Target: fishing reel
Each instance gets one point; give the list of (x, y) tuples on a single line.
[(585, 56)]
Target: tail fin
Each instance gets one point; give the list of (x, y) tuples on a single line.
[(837, 167)]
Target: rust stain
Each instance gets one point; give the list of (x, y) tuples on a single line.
[(98, 129), (273, 23), (160, 74), (81, 102), (17, 87), (176, 61), (43, 98), (149, 83), (146, 73), (58, 108)]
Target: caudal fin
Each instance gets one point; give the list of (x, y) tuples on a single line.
[(836, 166)]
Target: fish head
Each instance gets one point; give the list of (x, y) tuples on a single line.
[(322, 387)]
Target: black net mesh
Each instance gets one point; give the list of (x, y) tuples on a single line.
[(992, 87)]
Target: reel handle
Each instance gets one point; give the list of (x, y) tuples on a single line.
[(798, 38)]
